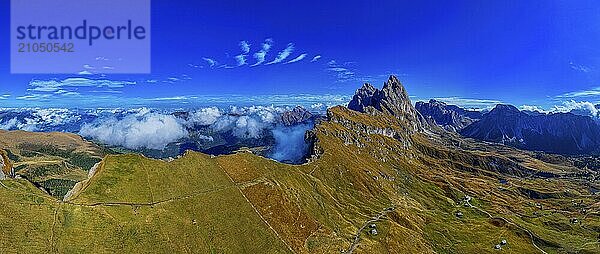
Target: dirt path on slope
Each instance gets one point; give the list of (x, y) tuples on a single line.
[(366, 224)]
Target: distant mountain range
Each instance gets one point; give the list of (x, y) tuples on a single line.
[(451, 117), (571, 133)]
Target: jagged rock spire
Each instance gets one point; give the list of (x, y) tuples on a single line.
[(395, 98), (391, 99)]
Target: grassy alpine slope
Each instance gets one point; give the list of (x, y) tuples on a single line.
[(427, 191)]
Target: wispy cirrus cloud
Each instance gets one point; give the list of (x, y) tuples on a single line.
[(211, 62), (297, 59), (174, 98), (175, 79), (274, 99), (580, 67), (54, 85), (47, 89), (241, 59), (4, 96), (100, 66), (285, 53), (261, 55), (582, 93), (341, 71), (34, 97), (245, 46)]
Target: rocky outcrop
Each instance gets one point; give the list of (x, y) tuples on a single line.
[(391, 99), (315, 150), (450, 117), (83, 184), (6, 166), (562, 133), (363, 98), (297, 115)]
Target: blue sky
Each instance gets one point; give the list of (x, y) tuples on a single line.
[(473, 53)]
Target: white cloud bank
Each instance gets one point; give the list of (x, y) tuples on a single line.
[(580, 108), (205, 116), (142, 130), (533, 108)]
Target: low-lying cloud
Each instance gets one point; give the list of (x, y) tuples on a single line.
[(244, 123), (148, 130), (585, 108), (289, 143), (155, 129)]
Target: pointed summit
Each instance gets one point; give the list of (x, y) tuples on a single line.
[(391, 99), (394, 98), (393, 84)]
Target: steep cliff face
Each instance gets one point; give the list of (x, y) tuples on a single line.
[(6, 166), (391, 99), (2, 166)]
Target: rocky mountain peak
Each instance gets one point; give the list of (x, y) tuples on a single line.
[(395, 97), (367, 89), (437, 103), (393, 84), (362, 98), (392, 99), (505, 109), (295, 116)]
